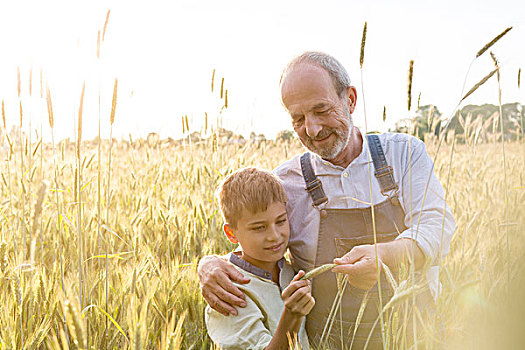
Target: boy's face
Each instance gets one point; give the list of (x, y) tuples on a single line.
[(263, 236)]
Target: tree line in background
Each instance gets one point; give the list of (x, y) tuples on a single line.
[(472, 121)]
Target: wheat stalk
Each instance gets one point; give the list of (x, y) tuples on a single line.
[(212, 79), (114, 102), (18, 80), (505, 192), (78, 192), (105, 25), (76, 324), (22, 217), (317, 271), (363, 41), (79, 124), (3, 116), (3, 256), (410, 76), (98, 44), (50, 108), (374, 230), (492, 42), (481, 82), (108, 190), (10, 153)]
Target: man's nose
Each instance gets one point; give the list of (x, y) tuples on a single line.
[(313, 126)]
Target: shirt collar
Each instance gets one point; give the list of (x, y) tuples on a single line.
[(325, 167), (246, 266)]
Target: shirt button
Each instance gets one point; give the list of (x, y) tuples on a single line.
[(345, 174)]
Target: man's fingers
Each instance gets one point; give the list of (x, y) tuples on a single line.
[(352, 268), (229, 298), (351, 257), (220, 306), (229, 293), (237, 276)]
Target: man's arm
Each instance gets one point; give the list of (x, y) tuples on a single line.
[(429, 219), (216, 276)]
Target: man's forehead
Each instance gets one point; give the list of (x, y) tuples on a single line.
[(307, 82), (305, 72)]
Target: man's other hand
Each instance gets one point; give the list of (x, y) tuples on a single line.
[(216, 276), (359, 264)]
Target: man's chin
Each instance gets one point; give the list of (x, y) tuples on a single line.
[(325, 154)]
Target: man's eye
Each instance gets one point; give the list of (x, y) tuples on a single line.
[(298, 120), (258, 228)]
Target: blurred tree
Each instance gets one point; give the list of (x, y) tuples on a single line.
[(285, 135), (426, 120)]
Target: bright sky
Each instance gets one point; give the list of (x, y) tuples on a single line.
[(164, 52)]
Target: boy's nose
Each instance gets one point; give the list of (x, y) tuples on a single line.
[(274, 234)]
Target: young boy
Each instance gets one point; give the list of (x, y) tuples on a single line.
[(253, 203)]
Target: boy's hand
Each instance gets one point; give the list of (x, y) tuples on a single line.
[(216, 276), (297, 296)]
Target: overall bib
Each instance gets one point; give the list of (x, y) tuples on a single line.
[(339, 231)]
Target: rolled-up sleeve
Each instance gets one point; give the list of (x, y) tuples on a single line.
[(429, 219), (244, 331)]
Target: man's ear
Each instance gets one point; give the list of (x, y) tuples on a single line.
[(229, 233), (351, 95)]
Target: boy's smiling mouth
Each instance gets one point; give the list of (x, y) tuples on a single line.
[(276, 248)]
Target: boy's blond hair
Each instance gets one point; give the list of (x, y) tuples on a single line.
[(248, 189)]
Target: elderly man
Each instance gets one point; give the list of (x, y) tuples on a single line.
[(345, 194)]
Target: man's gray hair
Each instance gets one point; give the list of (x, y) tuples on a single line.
[(333, 67)]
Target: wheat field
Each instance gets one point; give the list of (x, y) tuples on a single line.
[(161, 218), (100, 241)]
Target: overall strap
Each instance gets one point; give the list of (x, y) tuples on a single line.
[(313, 184), (384, 172)]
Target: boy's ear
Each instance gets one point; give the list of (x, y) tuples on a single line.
[(229, 233)]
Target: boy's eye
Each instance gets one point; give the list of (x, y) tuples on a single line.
[(258, 228), (281, 221)]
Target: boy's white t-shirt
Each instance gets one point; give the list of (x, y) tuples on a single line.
[(255, 324)]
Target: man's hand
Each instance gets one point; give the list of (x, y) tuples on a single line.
[(297, 296), (360, 265), (216, 276)]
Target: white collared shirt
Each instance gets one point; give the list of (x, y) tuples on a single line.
[(350, 188)]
